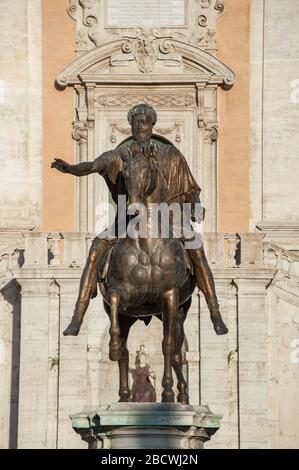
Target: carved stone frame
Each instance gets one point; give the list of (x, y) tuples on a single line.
[(204, 73)]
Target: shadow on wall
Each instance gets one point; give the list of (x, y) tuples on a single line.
[(11, 293)]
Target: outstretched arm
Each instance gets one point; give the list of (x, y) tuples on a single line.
[(99, 165)]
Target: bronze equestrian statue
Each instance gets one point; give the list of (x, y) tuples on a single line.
[(145, 276)]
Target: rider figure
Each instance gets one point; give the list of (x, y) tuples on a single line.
[(181, 186)]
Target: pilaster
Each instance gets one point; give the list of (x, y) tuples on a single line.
[(253, 362), (34, 364)]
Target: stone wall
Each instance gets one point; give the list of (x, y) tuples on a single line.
[(21, 115), (250, 375), (245, 375), (274, 103)]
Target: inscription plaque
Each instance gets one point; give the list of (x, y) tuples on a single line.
[(143, 13)]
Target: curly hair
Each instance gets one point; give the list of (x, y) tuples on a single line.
[(142, 108)]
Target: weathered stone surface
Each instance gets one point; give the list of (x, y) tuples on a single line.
[(147, 13), (243, 376), (274, 102), (248, 376), (21, 115)]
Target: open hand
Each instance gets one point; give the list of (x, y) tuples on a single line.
[(60, 165)]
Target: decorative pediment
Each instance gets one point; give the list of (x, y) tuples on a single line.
[(97, 21), (155, 59)]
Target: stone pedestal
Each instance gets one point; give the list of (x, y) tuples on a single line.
[(146, 426)]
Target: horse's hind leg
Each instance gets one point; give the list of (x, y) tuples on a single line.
[(115, 345), (169, 303), (177, 362), (125, 324)]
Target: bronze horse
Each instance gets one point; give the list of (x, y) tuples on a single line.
[(148, 277)]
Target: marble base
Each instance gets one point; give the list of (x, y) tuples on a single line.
[(146, 426)]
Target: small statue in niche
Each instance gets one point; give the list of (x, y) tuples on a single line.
[(142, 388)]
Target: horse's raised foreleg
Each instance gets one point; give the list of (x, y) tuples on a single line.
[(177, 354), (169, 302), (125, 324), (115, 345)]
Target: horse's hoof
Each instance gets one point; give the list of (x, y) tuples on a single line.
[(124, 395), (73, 328), (167, 397), (183, 399), (124, 399)]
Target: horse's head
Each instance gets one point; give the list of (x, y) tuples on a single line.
[(140, 175)]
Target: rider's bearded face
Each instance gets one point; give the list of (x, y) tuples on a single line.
[(142, 128)]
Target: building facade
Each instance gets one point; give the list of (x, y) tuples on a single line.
[(222, 77)]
